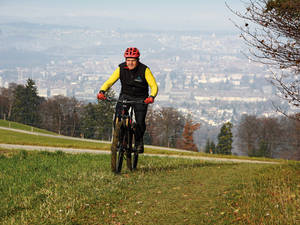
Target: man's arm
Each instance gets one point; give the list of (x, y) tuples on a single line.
[(152, 83), (113, 78)]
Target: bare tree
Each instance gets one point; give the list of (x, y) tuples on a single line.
[(165, 126), (291, 137), (187, 140), (8, 100), (269, 137), (60, 114), (4, 105), (272, 32), (247, 135)]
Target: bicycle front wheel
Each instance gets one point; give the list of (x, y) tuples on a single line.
[(130, 137), (135, 160), (135, 153), (122, 146), (120, 160), (114, 146)]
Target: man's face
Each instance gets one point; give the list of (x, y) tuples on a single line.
[(131, 63)]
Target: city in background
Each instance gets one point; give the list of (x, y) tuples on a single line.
[(205, 74), (70, 48)]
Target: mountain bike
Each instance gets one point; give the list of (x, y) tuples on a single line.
[(124, 138)]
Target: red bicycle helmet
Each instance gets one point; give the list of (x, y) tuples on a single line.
[(132, 53)]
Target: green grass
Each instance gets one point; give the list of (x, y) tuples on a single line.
[(59, 188), (19, 126), (195, 154), (11, 137)]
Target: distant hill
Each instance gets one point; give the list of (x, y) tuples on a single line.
[(38, 26), (12, 57)]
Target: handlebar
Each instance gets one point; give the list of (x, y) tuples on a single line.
[(125, 101)]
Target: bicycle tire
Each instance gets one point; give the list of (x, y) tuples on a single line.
[(129, 161), (120, 160), (122, 146), (114, 146), (135, 153), (135, 160), (129, 147)]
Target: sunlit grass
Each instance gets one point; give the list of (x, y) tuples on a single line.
[(60, 188), (11, 137), (19, 126)]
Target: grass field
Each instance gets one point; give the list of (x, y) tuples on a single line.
[(59, 188), (12, 137), (19, 126)]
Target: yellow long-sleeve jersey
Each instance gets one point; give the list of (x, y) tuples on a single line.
[(116, 75)]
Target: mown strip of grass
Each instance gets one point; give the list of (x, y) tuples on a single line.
[(11, 137), (195, 154), (59, 188), (19, 126), (32, 140)]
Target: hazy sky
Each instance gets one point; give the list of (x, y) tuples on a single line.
[(151, 14)]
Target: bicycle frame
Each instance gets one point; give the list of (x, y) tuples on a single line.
[(123, 138)]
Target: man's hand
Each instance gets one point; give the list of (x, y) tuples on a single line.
[(101, 95), (149, 100)]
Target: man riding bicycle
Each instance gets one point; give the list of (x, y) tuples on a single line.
[(135, 80)]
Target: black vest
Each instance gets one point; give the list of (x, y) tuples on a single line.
[(133, 82)]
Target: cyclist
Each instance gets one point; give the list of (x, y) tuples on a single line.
[(135, 80)]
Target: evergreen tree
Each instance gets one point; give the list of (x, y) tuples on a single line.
[(97, 119), (225, 139), (89, 121), (207, 146), (104, 117), (210, 147), (262, 151), (26, 104), (213, 147)]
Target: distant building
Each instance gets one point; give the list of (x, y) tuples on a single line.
[(162, 97), (58, 91), (43, 92), (267, 89)]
